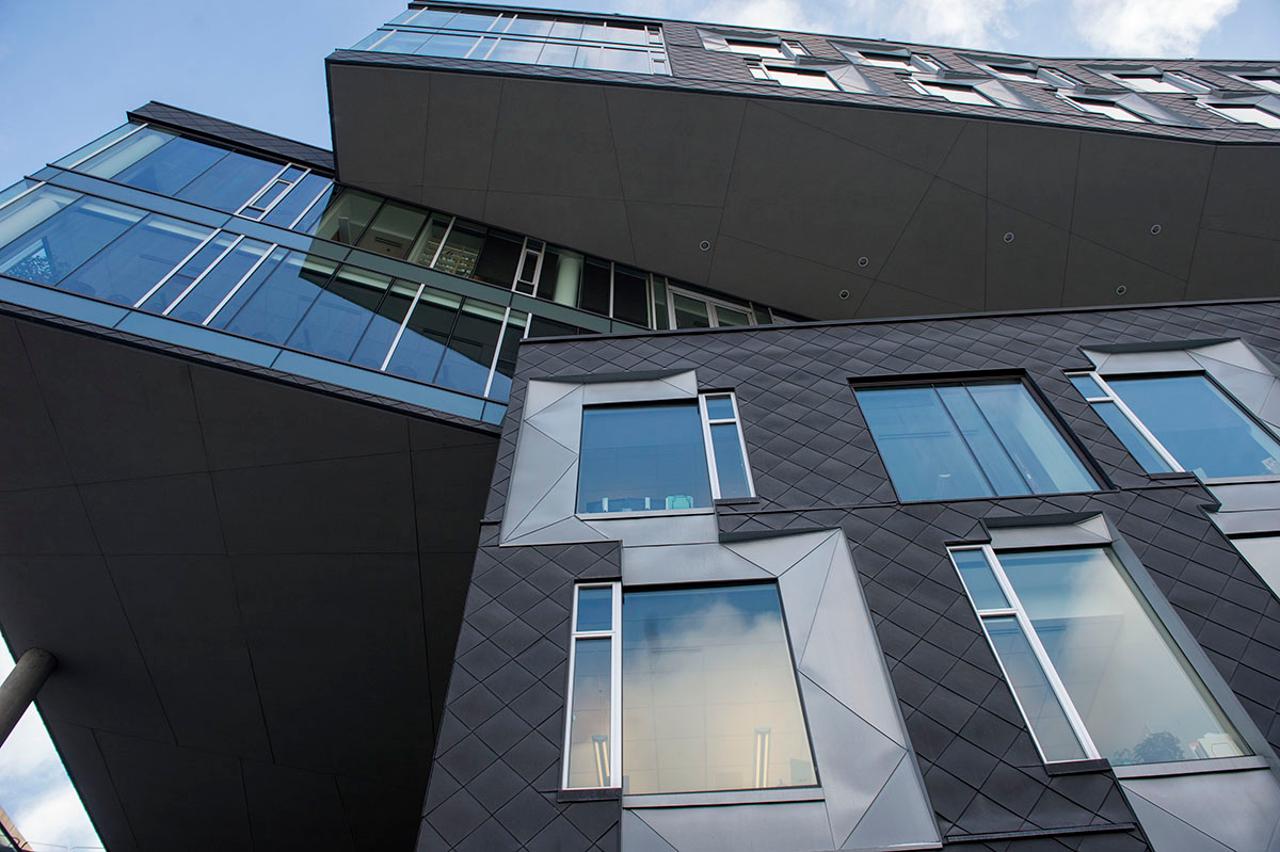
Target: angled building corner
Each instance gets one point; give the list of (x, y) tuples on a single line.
[(656, 436)]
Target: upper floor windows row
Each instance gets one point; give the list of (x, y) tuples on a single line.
[(258, 290), (529, 38), (294, 197)]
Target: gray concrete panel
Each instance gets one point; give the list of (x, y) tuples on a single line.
[(1170, 834), (637, 836), (799, 826), (561, 420), (1241, 810), (779, 553), (449, 158), (801, 588), (900, 810), (683, 563), (540, 463)]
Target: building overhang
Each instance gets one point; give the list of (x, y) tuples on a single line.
[(828, 205), (252, 588)]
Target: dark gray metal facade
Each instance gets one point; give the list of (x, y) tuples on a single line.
[(496, 775)]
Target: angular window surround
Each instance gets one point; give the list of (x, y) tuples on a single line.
[(1024, 72), (1143, 443), (1151, 79), (900, 59), (956, 92), (1017, 631), (1263, 111), (727, 474), (680, 640), (1267, 79), (981, 441), (793, 77), (1102, 105)]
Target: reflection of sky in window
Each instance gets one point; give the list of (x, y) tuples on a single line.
[(35, 790)]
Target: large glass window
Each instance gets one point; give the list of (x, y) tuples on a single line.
[(1094, 671), (268, 306), (708, 691), (544, 39), (1182, 422), (49, 232), (975, 440), (126, 270), (661, 457)]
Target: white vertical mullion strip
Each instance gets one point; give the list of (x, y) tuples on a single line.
[(611, 266), (706, 444), (24, 193), (615, 689), (305, 171), (111, 144), (413, 304), (742, 445), (270, 250), (311, 204), (195, 281), (568, 693), (174, 271), (1042, 656), (516, 280), (388, 35), (444, 238), (262, 189), (1138, 424), (497, 350)]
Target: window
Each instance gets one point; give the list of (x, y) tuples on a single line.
[(662, 457), (1267, 80), (756, 48), (942, 442), (900, 59), (1182, 422), (686, 309), (794, 77), (707, 689), (49, 232), (1156, 81), (1248, 114), (955, 92), (524, 37), (593, 715), (1101, 106), (1026, 72), (1263, 553), (1090, 665)]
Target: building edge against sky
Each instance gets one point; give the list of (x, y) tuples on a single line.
[(612, 297)]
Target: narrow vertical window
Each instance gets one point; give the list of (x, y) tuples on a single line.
[(593, 715), (726, 450)]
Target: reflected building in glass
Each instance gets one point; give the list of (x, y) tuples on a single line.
[(643, 435)]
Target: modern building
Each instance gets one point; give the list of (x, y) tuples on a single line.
[(657, 436)]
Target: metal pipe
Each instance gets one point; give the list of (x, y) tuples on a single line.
[(20, 687)]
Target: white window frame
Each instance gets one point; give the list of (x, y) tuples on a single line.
[(1019, 613), (936, 88), (1251, 78), (1149, 436), (1109, 395), (711, 304), (1074, 100), (614, 635), (736, 421), (911, 62), (1179, 83), (1225, 110), (764, 72), (253, 211)]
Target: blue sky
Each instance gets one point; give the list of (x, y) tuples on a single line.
[(70, 72)]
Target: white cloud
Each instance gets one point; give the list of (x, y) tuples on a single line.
[(1148, 27), (959, 23), (767, 14)]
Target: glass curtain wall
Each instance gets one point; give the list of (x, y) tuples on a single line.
[(302, 301), (523, 37)]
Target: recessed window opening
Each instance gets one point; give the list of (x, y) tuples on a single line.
[(1101, 106), (662, 457), (1091, 667), (705, 694), (1182, 422), (982, 439)]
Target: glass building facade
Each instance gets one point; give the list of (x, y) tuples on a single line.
[(455, 32), (295, 272)]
